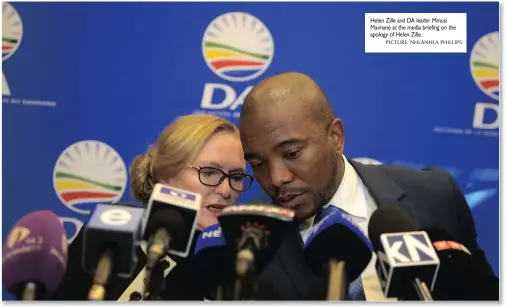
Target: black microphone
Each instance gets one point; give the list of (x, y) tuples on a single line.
[(256, 231), (171, 219), (214, 261), (407, 264), (110, 238), (459, 278), (337, 250)]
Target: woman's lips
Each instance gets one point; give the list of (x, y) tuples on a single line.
[(215, 208)]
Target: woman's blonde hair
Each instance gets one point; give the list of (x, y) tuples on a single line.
[(178, 145)]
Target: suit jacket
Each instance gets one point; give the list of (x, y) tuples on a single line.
[(430, 196)]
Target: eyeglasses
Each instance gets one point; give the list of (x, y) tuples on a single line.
[(213, 177)]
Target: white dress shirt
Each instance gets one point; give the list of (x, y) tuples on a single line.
[(353, 197)]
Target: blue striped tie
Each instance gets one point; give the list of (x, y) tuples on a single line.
[(356, 289)]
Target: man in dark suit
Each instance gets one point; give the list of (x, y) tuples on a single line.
[(294, 144)]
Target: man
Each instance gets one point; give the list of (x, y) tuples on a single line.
[(294, 144)]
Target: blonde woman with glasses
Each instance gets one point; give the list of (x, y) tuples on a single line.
[(199, 153)]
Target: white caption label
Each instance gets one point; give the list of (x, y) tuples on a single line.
[(415, 33)]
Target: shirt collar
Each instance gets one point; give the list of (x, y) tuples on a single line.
[(349, 196)]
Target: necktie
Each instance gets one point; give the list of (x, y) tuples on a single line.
[(356, 289)]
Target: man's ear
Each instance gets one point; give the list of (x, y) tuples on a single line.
[(336, 135)]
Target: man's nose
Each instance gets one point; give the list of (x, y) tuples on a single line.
[(280, 175)]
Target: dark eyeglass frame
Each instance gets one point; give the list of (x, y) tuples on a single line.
[(224, 175)]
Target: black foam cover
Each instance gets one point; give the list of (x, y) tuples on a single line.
[(173, 222), (214, 262), (388, 219), (459, 277), (339, 242)]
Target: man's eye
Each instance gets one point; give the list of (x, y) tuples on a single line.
[(255, 164), (293, 154)]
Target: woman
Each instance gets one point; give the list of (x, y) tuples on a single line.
[(199, 153), (195, 153)]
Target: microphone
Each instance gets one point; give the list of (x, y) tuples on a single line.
[(110, 238), (214, 262), (34, 256), (256, 231), (407, 261), (337, 248), (171, 219), (459, 279)]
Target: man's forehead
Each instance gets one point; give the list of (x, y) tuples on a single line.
[(269, 135), (271, 121)]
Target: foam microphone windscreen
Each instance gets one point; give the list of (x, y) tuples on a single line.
[(336, 237), (388, 219), (171, 220), (459, 277), (214, 261), (35, 251)]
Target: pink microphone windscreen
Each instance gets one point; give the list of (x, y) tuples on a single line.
[(35, 251)]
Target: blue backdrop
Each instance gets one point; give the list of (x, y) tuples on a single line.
[(87, 86)]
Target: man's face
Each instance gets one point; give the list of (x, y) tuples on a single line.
[(295, 160)]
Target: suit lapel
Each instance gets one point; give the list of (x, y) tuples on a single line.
[(383, 189)]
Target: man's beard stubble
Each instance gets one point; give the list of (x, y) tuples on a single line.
[(322, 198)]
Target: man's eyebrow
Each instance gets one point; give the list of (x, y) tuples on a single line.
[(291, 141), (250, 156)]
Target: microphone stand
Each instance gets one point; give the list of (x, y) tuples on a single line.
[(337, 284), (156, 283), (422, 290), (250, 243), (101, 276), (29, 292)]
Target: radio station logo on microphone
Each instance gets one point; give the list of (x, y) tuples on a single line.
[(115, 217), (18, 235), (237, 47), (409, 248), (172, 192), (87, 173), (484, 63)]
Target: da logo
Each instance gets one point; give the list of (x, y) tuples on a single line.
[(484, 61), (18, 234), (72, 227), (237, 46), (12, 33), (87, 173)]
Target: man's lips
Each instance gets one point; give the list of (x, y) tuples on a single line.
[(288, 200)]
